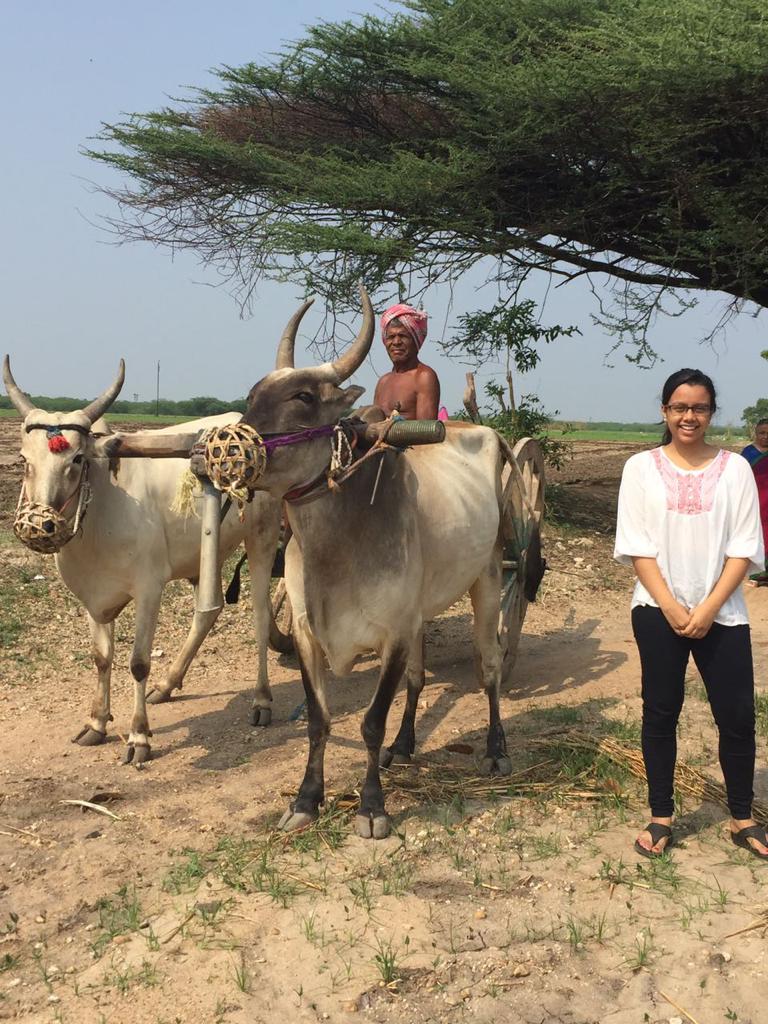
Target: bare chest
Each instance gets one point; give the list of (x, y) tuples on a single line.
[(398, 390)]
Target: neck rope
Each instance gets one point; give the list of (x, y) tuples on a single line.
[(342, 464), (271, 441)]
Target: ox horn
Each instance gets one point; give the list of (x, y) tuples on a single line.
[(284, 360), (99, 405), (352, 359), (14, 392)]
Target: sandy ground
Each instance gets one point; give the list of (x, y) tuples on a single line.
[(527, 905)]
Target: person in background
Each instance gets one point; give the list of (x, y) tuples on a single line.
[(689, 524), (756, 455), (411, 387)]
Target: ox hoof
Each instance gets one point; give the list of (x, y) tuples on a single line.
[(293, 821), (389, 758), (136, 754), (88, 737), (157, 696), (372, 826), (496, 765), (261, 716)]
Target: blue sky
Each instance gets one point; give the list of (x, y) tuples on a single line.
[(73, 302)]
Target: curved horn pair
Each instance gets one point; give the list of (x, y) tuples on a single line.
[(343, 367), (92, 412)]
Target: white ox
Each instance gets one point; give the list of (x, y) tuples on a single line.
[(128, 545), (363, 573)]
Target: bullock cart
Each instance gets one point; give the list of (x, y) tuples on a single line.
[(523, 488), (435, 530)]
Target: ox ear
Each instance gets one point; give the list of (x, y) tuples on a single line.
[(352, 393), (102, 447)]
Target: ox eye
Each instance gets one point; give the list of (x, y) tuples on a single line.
[(77, 459), (306, 397)]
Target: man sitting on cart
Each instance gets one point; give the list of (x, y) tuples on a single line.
[(411, 387)]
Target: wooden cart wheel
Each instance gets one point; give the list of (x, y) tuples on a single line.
[(522, 510), (281, 621)]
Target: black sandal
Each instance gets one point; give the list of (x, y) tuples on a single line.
[(742, 837), (657, 831)]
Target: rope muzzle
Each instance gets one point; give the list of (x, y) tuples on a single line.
[(45, 529), (41, 528)]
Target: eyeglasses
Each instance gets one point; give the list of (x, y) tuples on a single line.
[(680, 409)]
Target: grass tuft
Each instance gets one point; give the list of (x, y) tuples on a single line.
[(117, 916)]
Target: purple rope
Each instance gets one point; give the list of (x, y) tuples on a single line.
[(280, 440)]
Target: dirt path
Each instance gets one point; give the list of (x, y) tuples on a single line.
[(187, 908)]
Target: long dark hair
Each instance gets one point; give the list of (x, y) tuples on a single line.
[(686, 376)]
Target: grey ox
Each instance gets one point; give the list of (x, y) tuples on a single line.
[(365, 576), (125, 544)]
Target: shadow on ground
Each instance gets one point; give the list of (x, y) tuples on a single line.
[(228, 741)]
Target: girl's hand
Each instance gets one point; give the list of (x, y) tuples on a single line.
[(677, 615), (700, 621)]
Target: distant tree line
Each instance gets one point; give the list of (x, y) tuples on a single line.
[(189, 407), (645, 428), (653, 428)]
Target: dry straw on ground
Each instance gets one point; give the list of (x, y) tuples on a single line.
[(688, 780), (432, 781)]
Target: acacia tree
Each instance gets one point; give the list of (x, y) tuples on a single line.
[(622, 140)]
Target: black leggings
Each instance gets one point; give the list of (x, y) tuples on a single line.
[(724, 659)]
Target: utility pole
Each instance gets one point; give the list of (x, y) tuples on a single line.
[(157, 391)]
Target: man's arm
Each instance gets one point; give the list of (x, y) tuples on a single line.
[(427, 394)]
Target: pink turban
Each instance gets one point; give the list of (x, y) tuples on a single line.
[(414, 321)]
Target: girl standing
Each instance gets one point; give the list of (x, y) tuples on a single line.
[(689, 525)]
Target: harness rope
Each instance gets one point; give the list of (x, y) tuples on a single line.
[(343, 464)]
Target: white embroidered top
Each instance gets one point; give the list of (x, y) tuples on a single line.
[(690, 521)]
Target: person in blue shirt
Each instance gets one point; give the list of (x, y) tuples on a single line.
[(756, 455)]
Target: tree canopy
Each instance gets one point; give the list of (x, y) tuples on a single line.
[(625, 138)]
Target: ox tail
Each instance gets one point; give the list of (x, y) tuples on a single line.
[(535, 563), (232, 595)]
